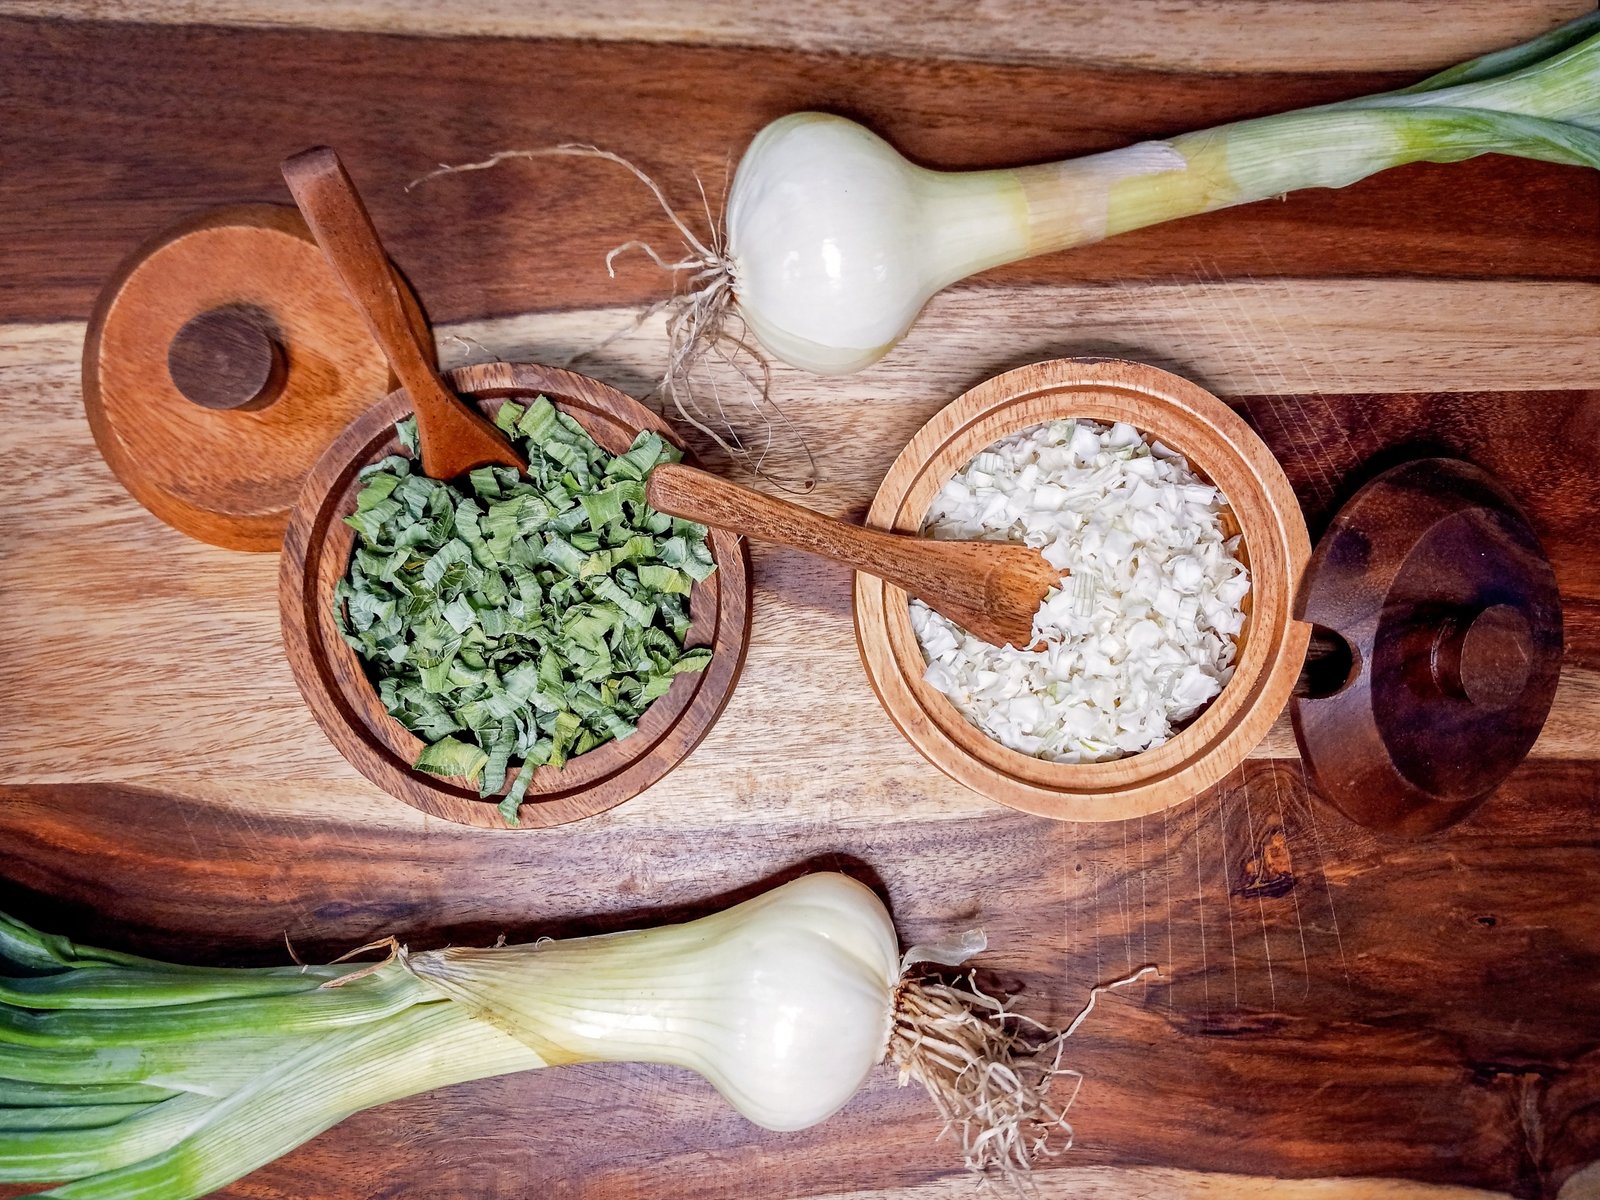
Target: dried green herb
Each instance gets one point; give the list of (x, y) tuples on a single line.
[(524, 619)]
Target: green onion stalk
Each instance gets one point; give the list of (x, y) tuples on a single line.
[(834, 242), (135, 1079)]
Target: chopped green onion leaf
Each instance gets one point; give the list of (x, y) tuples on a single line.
[(519, 620)]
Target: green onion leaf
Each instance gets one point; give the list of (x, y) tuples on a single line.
[(519, 620), (448, 756)]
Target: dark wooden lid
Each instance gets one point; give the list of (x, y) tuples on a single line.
[(1437, 583), (222, 359)]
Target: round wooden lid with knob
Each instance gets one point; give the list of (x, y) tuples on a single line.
[(221, 360), (1437, 584)]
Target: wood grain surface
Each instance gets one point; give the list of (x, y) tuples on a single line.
[(183, 447), (1339, 1014), (1448, 613), (453, 438), (127, 127), (1284, 35)]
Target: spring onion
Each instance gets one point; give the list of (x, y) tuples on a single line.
[(133, 1079), (835, 242)]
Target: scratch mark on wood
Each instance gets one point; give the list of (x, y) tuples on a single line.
[(1294, 892), (1094, 886), (1144, 899), (1325, 482), (1124, 900), (1322, 868), (1227, 892), (1261, 902), (1166, 874), (1200, 905)]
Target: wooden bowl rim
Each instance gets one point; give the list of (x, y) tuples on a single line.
[(376, 744), (1273, 645)]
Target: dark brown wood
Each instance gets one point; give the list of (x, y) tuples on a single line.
[(993, 589), (1486, 658), (316, 554), (454, 439), (228, 358), (1332, 1002), (197, 115), (178, 439), (1440, 588), (1539, 445)]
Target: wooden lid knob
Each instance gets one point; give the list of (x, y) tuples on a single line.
[(228, 358), (1486, 659)]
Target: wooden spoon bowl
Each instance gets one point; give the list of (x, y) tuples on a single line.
[(1274, 546), (334, 681)]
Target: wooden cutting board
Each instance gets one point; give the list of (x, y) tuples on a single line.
[(1407, 1018)]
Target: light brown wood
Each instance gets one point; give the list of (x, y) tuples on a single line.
[(993, 589), (1245, 337), (1274, 546), (1200, 35), (454, 439), (227, 473), (190, 635), (316, 554)]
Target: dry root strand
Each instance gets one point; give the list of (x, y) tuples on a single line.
[(990, 1071)]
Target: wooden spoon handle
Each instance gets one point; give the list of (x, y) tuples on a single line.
[(711, 500), (343, 228), (454, 438)]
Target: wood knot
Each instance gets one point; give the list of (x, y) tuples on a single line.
[(1270, 870)]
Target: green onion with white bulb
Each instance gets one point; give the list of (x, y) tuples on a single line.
[(135, 1079), (834, 242)]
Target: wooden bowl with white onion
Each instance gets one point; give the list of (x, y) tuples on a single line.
[(1270, 648), (341, 696)]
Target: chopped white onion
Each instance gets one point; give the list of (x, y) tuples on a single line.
[(1141, 634)]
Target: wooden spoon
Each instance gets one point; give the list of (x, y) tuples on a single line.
[(992, 589), (453, 438)]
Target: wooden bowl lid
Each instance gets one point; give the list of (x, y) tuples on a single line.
[(316, 554), (221, 360), (1275, 546), (1437, 583)]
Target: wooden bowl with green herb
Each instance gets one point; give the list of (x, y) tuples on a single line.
[(552, 620)]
